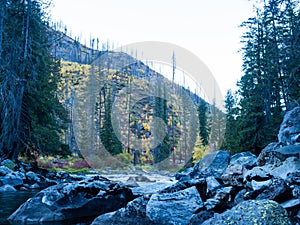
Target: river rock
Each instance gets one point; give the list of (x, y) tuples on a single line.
[(4, 170), (8, 163), (212, 185), (6, 188), (247, 159), (213, 164), (296, 191), (257, 178), (174, 208), (150, 188), (289, 166), (234, 175), (278, 191), (200, 217), (133, 213), (33, 176), (289, 132), (14, 179), (265, 155), (66, 201), (221, 200), (252, 212)]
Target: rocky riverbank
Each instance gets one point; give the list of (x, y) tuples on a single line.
[(219, 189)]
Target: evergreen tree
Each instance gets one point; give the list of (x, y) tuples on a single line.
[(231, 137), (31, 116), (271, 75), (108, 136), (203, 121)]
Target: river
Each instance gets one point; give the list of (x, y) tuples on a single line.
[(10, 201)]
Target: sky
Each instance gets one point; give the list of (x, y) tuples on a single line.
[(209, 29)]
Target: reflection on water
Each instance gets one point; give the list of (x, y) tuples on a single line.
[(10, 201)]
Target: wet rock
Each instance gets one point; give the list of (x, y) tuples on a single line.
[(213, 164), (287, 151), (224, 194), (174, 208), (6, 188), (289, 132), (252, 212), (66, 201), (239, 164), (293, 208)]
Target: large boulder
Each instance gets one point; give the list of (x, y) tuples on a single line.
[(289, 132), (71, 201), (278, 191), (14, 179), (133, 213), (174, 208), (7, 188), (277, 155), (213, 164), (239, 164), (258, 212)]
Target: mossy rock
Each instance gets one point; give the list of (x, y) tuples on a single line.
[(252, 212)]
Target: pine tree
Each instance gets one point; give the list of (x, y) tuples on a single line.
[(31, 116), (203, 121), (231, 137), (270, 72)]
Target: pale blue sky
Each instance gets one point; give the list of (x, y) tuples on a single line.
[(208, 28)]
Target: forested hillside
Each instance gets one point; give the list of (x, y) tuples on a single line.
[(44, 73)]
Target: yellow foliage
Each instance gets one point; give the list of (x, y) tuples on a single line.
[(200, 150), (146, 126)]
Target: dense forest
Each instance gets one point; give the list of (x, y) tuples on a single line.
[(270, 83), (50, 83)]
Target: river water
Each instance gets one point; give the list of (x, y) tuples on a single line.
[(10, 201)]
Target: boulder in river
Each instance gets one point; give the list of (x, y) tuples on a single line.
[(88, 198)]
